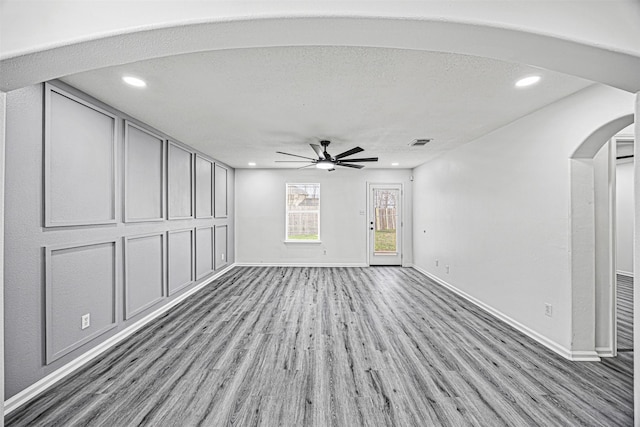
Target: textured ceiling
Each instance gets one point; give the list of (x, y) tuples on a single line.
[(243, 105)]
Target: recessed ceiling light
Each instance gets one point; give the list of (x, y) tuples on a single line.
[(527, 81), (134, 81), (252, 163), (395, 164)]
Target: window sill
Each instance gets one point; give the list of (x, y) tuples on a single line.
[(305, 242)]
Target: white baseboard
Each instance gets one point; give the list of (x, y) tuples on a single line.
[(584, 356), (625, 273), (604, 352), (301, 264), (550, 344), (35, 389)]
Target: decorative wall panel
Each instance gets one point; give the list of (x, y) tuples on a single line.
[(144, 274), (79, 281), (204, 188), (221, 246), (180, 166), (144, 176), (180, 259), (204, 251), (220, 191), (79, 166)]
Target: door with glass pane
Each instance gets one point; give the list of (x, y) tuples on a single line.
[(385, 224)]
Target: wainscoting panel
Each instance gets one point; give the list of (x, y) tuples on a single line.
[(204, 188), (80, 280), (144, 176), (79, 166), (180, 259), (180, 166), (87, 210), (204, 251), (144, 273), (221, 246), (220, 191)]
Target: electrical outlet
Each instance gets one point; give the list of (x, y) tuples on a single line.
[(447, 269), (86, 321), (437, 262), (548, 310), (222, 257), (325, 251)]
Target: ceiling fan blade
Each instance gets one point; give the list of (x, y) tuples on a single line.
[(295, 155), (349, 152), (292, 161), (363, 159), (349, 166), (331, 170), (306, 166), (318, 150)]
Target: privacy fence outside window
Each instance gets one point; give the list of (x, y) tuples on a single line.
[(303, 212)]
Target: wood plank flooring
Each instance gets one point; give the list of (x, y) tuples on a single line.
[(624, 299), (333, 347)]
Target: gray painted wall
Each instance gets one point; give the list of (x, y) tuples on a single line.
[(99, 165)]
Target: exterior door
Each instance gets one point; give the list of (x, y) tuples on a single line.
[(385, 224)]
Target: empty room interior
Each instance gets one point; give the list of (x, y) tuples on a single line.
[(354, 213)]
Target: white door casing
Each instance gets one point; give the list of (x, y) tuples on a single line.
[(384, 224)]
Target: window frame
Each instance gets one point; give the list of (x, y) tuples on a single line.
[(287, 211)]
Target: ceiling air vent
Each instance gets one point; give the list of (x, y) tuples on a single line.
[(419, 142)]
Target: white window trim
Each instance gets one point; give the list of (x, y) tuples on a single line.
[(286, 213)]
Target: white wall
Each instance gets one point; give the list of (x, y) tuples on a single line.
[(3, 109), (496, 211), (260, 215), (604, 279), (624, 213)]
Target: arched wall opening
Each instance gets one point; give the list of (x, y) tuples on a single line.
[(479, 37), (592, 242)]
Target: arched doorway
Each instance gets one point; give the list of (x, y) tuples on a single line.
[(592, 240)]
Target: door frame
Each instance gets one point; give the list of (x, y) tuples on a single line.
[(368, 213)]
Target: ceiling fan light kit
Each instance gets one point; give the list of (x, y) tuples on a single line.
[(324, 164), (328, 162)]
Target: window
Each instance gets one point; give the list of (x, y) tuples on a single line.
[(303, 212)]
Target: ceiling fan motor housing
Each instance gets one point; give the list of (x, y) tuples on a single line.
[(327, 161)]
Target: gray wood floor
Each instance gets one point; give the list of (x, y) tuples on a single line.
[(333, 346), (624, 299)]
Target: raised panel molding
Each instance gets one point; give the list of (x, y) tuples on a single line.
[(204, 187), (220, 191), (144, 272), (180, 177), (79, 279), (144, 175), (221, 246), (79, 161), (180, 259), (205, 251)]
